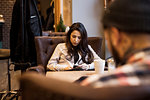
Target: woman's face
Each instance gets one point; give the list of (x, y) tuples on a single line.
[(75, 37)]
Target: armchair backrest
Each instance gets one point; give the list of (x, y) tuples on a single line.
[(38, 87), (49, 33), (45, 45)]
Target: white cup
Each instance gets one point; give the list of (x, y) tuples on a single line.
[(99, 66)]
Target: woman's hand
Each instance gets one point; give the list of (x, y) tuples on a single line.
[(84, 67), (68, 68), (61, 67)]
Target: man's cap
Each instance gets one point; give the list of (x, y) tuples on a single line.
[(128, 15)]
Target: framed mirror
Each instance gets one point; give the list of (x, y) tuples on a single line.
[(107, 3), (51, 11)]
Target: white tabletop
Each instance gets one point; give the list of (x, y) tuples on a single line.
[(69, 76)]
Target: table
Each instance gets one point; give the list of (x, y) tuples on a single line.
[(69, 76)]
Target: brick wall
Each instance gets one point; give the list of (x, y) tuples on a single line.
[(6, 7)]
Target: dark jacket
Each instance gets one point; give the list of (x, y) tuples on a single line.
[(25, 26), (49, 24)]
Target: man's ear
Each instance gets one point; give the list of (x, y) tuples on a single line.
[(115, 36)]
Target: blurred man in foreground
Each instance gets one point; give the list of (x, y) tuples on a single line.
[(127, 31)]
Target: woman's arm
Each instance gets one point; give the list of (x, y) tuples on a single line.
[(96, 58), (58, 60)]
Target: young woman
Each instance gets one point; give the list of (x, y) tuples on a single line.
[(75, 53)]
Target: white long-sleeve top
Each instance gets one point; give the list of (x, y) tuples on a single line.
[(60, 60)]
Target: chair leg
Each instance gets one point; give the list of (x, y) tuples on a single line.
[(10, 95), (9, 78)]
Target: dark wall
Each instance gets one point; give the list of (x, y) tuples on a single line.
[(6, 7)]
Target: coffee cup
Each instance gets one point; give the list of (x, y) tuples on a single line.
[(99, 66)]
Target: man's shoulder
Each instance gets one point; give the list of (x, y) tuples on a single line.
[(123, 75)]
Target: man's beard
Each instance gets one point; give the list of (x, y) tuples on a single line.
[(117, 59), (115, 54)]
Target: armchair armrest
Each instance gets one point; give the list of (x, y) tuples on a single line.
[(39, 69)]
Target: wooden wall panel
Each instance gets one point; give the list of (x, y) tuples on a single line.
[(67, 12), (57, 7)]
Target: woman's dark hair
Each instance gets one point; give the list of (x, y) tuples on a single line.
[(82, 47)]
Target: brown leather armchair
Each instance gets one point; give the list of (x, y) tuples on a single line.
[(46, 45)]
